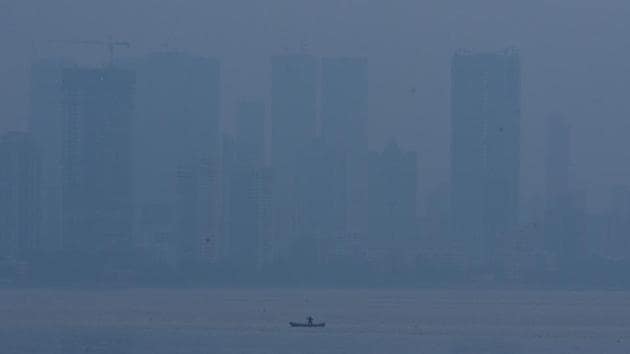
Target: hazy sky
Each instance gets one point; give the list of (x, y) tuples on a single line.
[(576, 60)]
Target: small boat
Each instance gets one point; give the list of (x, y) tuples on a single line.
[(307, 325)]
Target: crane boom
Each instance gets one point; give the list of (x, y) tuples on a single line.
[(109, 44)]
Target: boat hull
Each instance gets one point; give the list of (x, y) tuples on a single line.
[(306, 325)]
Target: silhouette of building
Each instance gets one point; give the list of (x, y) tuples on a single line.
[(247, 190), (293, 106), (436, 221), (97, 163), (321, 194), (20, 203), (344, 102), (616, 244), (294, 126), (558, 160), (198, 215), (558, 197), (579, 228), (250, 133), (268, 247), (344, 111), (156, 239), (187, 240), (175, 129), (46, 126), (392, 193), (485, 144)]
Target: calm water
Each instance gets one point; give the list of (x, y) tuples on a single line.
[(255, 321)]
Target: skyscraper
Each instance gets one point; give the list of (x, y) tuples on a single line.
[(293, 106), (344, 102), (250, 132), (321, 193), (344, 111), (175, 134), (558, 160), (392, 195), (97, 161), (20, 208), (557, 192), (196, 236), (247, 190), (46, 126), (485, 148), (176, 120), (616, 244), (294, 126)]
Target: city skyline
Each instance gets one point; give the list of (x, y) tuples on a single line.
[(146, 172), (297, 176), (409, 46)]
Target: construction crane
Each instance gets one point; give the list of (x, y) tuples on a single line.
[(109, 44)]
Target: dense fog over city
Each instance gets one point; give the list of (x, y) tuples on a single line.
[(572, 62), (456, 158), (574, 53)]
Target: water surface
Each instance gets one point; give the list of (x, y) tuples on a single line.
[(195, 321)]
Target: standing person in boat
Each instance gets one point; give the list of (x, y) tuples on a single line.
[(310, 320)]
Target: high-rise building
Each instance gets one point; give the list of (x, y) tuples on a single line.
[(392, 195), (344, 111), (246, 190), (268, 247), (250, 132), (321, 193), (97, 163), (293, 106), (616, 244), (198, 202), (557, 192), (344, 102), (558, 160), (187, 241), (20, 208), (156, 239), (294, 126), (485, 148), (436, 221), (243, 239), (176, 121), (46, 126), (175, 129)]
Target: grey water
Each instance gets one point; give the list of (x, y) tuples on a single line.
[(195, 321)]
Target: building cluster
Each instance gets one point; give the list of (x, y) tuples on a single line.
[(125, 167)]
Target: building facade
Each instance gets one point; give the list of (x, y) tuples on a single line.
[(344, 114), (393, 187), (97, 194), (46, 121), (294, 126), (485, 148), (20, 196), (176, 150)]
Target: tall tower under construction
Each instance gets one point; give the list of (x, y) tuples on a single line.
[(96, 180)]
